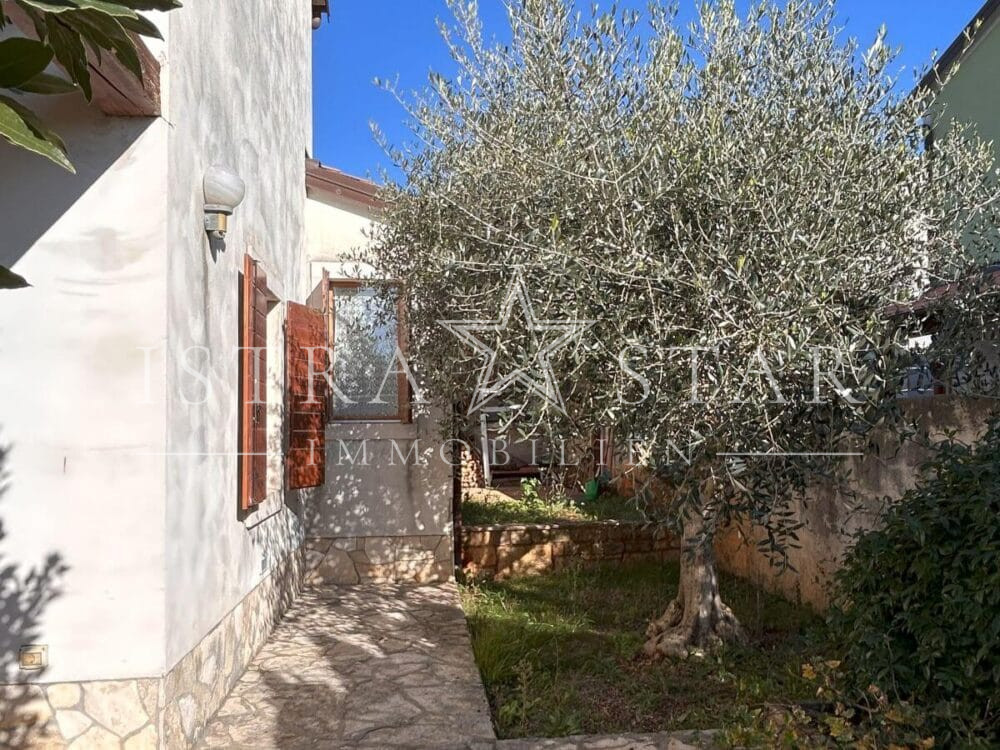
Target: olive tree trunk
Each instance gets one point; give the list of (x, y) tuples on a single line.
[(697, 621)]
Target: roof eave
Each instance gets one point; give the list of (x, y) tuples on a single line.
[(116, 91), (939, 72), (323, 182)]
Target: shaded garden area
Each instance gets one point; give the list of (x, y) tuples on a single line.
[(906, 657), (559, 654)]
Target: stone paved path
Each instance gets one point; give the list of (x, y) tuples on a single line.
[(377, 666), (361, 666)]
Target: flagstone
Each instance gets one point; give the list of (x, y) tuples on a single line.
[(63, 695), (143, 740), (72, 723), (116, 705)]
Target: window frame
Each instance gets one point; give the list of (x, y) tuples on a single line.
[(404, 411)]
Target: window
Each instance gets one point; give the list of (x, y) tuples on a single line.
[(919, 380), (922, 377), (368, 342)]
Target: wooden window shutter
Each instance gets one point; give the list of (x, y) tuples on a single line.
[(253, 385), (321, 299), (306, 331)]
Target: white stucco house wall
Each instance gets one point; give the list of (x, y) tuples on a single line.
[(137, 582), (385, 510)]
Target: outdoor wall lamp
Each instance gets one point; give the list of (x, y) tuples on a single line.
[(224, 191)]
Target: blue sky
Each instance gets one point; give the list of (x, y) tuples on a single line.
[(368, 39)]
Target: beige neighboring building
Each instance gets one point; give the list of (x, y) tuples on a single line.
[(385, 510), (154, 513)]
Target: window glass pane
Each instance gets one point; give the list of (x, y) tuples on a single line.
[(364, 348)]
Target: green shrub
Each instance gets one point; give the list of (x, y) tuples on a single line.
[(917, 606), (531, 492)]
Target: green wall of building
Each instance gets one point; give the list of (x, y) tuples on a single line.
[(972, 95)]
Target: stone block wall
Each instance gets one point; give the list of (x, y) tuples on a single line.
[(379, 559), (471, 470), (504, 551), (832, 517), (167, 712)]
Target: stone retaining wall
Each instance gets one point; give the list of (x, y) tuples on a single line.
[(379, 559), (503, 551)]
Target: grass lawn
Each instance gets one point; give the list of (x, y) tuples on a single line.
[(486, 508), (560, 654)]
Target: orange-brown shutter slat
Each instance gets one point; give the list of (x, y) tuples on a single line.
[(306, 460), (253, 385)]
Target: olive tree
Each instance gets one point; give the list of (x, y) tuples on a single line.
[(743, 208)]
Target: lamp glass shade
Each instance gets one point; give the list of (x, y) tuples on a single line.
[(224, 190)]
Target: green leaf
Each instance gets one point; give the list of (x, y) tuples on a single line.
[(21, 60), (11, 280), (101, 6), (110, 9), (46, 83), (106, 33), (49, 6), (152, 4), (37, 19), (70, 53), (141, 26), (20, 126)]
